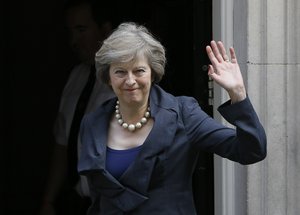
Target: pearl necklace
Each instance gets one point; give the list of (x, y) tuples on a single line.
[(131, 127)]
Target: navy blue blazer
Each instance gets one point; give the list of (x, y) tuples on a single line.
[(159, 181)]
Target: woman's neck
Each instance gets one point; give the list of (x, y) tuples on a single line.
[(133, 113)]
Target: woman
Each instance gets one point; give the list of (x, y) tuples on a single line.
[(139, 149)]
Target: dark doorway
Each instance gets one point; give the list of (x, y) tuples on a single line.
[(36, 64)]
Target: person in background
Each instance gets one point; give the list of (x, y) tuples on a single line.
[(139, 149), (88, 23)]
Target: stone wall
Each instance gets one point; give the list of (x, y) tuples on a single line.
[(273, 79), (266, 36)]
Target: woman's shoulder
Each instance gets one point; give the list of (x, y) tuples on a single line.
[(104, 109), (166, 100), (186, 100)]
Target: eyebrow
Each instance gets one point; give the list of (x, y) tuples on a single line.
[(137, 67), (140, 67)]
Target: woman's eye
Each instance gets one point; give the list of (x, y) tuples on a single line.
[(140, 71), (119, 72)]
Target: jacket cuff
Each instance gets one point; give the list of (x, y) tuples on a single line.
[(233, 112)]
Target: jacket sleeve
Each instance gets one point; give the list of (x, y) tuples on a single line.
[(246, 144)]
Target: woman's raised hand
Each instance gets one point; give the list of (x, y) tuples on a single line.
[(225, 71)]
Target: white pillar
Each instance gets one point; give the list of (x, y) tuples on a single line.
[(273, 82), (266, 36)]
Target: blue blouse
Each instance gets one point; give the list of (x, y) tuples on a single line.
[(117, 161)]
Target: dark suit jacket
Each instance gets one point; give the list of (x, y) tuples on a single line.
[(159, 181)]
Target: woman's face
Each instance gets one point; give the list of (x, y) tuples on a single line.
[(131, 81)]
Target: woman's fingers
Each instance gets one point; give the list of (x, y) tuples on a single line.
[(218, 57), (216, 51), (226, 72), (232, 54), (210, 70), (223, 51), (211, 56)]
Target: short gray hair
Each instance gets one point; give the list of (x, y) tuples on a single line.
[(124, 44)]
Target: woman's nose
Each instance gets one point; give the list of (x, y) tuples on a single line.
[(130, 79)]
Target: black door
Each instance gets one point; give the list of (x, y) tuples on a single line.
[(35, 57)]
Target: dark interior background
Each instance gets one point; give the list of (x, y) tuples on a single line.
[(35, 62)]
